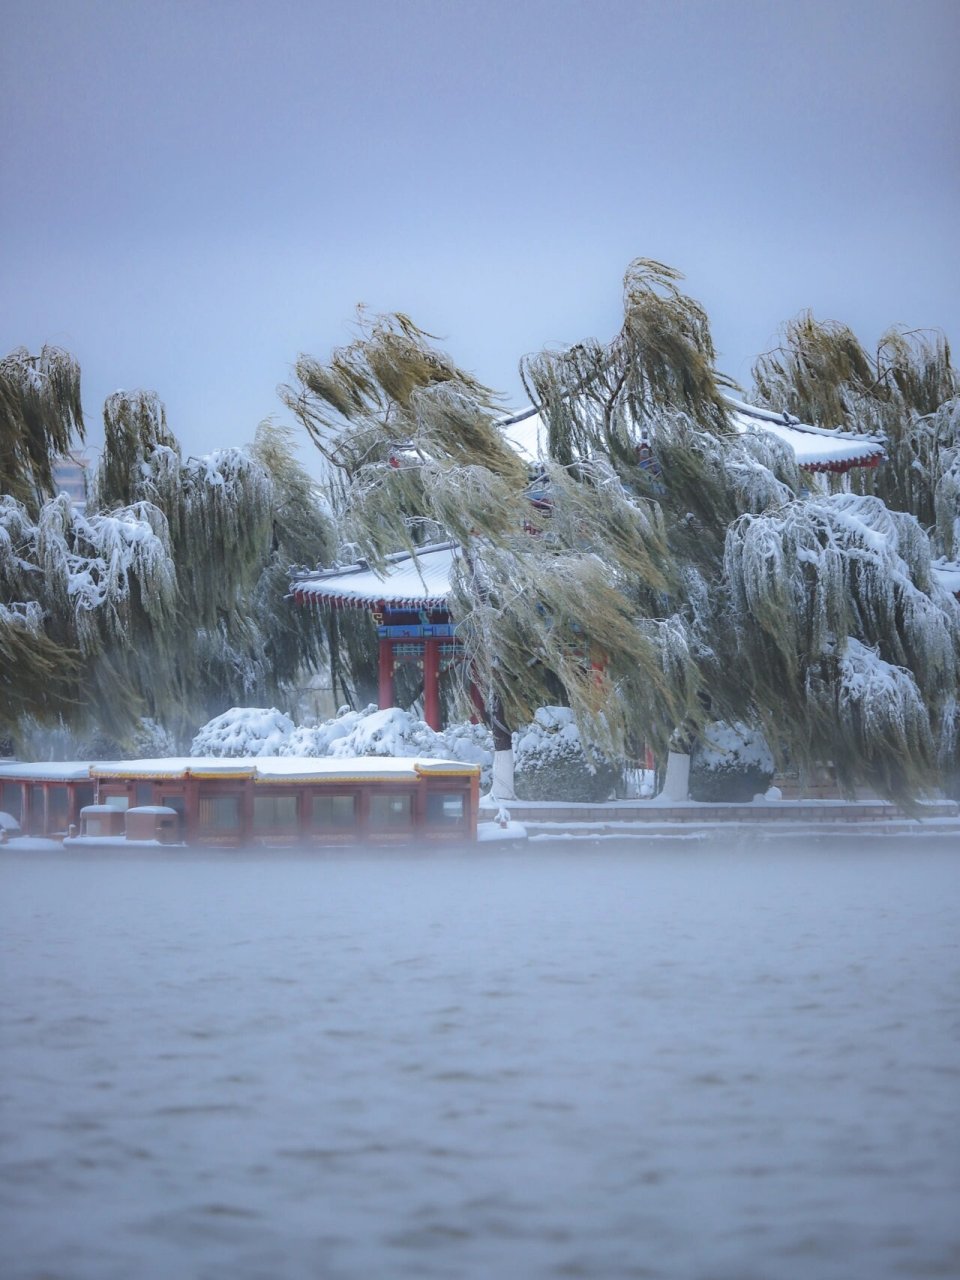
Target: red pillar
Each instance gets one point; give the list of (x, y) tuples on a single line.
[(431, 683), (385, 684)]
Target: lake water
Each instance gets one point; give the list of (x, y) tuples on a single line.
[(673, 1061)]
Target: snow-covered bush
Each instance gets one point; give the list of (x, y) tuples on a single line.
[(244, 731), (470, 743), (254, 731), (392, 732), (318, 739), (732, 763), (551, 764)]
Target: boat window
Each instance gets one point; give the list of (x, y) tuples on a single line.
[(58, 804), (36, 811), (333, 812), (444, 807), (271, 813), (10, 799), (220, 813), (390, 810)]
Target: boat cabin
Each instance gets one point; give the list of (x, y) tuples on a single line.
[(271, 802)]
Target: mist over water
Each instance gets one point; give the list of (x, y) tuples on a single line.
[(599, 1061)]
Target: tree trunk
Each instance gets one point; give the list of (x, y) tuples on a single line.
[(501, 786), (676, 783)]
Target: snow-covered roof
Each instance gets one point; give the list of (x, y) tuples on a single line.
[(46, 771), (262, 769), (284, 769), (421, 582), (815, 448)]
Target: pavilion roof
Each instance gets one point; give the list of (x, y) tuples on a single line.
[(421, 582), (815, 448)]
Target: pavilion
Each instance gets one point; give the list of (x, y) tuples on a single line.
[(409, 604)]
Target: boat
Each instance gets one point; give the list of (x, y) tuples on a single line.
[(273, 802)]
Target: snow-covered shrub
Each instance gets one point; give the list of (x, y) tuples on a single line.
[(317, 740), (253, 731), (732, 763), (551, 764), (243, 731), (392, 732), (470, 743)]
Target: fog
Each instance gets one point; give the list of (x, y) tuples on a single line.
[(674, 1060)]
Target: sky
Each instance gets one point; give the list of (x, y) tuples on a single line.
[(194, 193)]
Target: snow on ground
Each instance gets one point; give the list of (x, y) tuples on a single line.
[(698, 1062)]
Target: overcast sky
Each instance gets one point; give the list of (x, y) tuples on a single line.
[(195, 191)]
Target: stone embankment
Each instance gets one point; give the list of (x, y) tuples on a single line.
[(648, 819)]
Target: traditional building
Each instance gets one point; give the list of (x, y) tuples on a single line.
[(408, 601)]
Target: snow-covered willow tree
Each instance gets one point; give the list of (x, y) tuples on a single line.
[(78, 592), (649, 405), (40, 416), (908, 393), (848, 649), (165, 597), (237, 519), (677, 575), (575, 600)]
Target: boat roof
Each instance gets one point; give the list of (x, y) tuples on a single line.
[(261, 769), (45, 770)]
